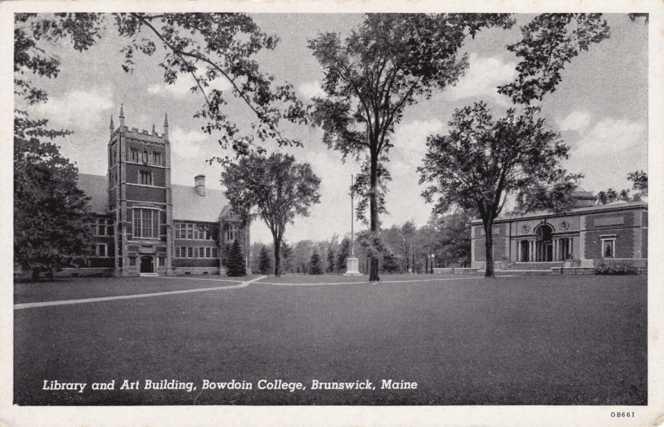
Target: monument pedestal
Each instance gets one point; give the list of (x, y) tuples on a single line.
[(352, 267)]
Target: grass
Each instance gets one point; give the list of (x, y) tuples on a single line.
[(111, 286), (516, 340)]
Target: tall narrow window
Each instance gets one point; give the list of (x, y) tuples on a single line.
[(231, 232), (100, 250), (146, 223), (133, 155), (609, 248), (101, 227), (156, 158), (145, 177)]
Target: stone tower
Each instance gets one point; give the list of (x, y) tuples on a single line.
[(140, 199)]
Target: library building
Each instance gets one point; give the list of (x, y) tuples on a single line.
[(144, 225)]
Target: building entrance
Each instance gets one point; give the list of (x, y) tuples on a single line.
[(147, 264), (544, 243)]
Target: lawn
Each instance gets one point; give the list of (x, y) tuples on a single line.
[(512, 340)]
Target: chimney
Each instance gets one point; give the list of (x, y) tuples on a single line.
[(199, 185)]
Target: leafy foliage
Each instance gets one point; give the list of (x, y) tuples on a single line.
[(390, 263), (557, 197), (264, 261), (208, 47), (330, 259), (550, 41), (615, 269), (382, 67), (276, 186), (286, 257), (639, 180), (482, 160), (51, 215), (82, 30), (315, 266), (235, 265), (451, 235)]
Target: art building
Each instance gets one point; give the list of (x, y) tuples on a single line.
[(146, 225), (586, 236)]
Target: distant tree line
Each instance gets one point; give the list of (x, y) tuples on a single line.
[(444, 241), (639, 181)]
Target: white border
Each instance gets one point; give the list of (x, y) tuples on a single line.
[(653, 414)]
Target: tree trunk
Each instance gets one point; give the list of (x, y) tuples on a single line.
[(373, 208), (35, 274), (277, 256), (488, 248)]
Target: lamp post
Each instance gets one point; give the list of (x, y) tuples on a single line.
[(352, 263)]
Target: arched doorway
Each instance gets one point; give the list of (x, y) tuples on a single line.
[(544, 243)]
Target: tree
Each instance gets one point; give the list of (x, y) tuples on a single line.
[(235, 264), (315, 264), (390, 263), (407, 233), (302, 255), (608, 196), (452, 238), (277, 187), (205, 47), (264, 261), (342, 255), (482, 160), (51, 214), (330, 259), (383, 66), (558, 197), (548, 42), (639, 180), (286, 257)]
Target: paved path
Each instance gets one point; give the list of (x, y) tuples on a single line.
[(382, 282), (135, 296), (220, 288)]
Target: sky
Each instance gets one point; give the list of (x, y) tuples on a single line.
[(600, 109)]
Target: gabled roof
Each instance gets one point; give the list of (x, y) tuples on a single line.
[(96, 187), (187, 203)]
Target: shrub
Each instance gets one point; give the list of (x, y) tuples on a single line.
[(264, 261), (615, 268), (315, 264), (235, 263)]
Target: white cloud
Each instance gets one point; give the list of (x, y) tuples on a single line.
[(311, 89), (482, 78), (182, 87), (78, 108), (577, 121), (187, 143), (610, 136), (410, 143)]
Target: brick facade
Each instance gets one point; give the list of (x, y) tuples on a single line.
[(136, 199), (574, 238)]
